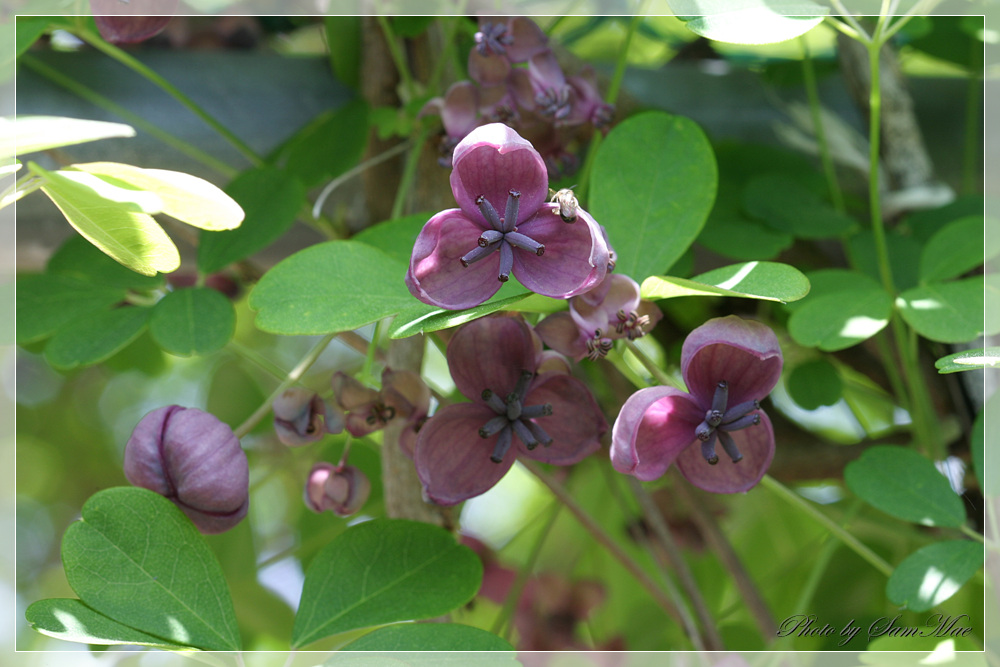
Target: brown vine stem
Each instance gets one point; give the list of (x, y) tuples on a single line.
[(608, 543), (661, 531), (720, 544)]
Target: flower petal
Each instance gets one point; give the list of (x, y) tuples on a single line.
[(575, 425), (561, 333), (492, 160), (756, 443), (744, 353), (436, 274), (458, 111), (487, 70), (622, 294), (575, 258), (528, 39), (654, 426), (490, 353), (453, 461)]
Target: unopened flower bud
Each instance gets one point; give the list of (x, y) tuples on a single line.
[(122, 22), (301, 417), (195, 460), (340, 489)]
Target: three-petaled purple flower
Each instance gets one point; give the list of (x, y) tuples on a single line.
[(466, 448), (503, 226), (729, 365)]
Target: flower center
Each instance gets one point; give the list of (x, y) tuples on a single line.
[(380, 414), (598, 346), (513, 416), (492, 38), (631, 324), (719, 421), (503, 236), (554, 102)]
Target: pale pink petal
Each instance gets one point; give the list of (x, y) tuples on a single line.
[(436, 275), (654, 426), (575, 425), (743, 353), (756, 444), (490, 353), (453, 461), (458, 111), (575, 258), (492, 160), (622, 295)]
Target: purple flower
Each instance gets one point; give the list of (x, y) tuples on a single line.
[(193, 459), (597, 318), (463, 255), (403, 396), (301, 417), (729, 365), (121, 22), (466, 448), (341, 489)]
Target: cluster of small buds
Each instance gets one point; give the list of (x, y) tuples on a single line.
[(517, 80)]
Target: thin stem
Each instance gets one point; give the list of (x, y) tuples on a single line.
[(874, 191), (293, 377), (256, 358), (659, 527), (861, 35), (354, 171), (654, 370), (840, 533), (502, 621), (892, 369), (812, 92), (366, 368), (409, 174), (136, 121), (844, 28), (973, 534), (971, 150), (398, 58), (449, 38), (605, 540), (132, 63), (710, 530)]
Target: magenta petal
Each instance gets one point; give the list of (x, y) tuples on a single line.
[(575, 425), (492, 160), (436, 275), (458, 111), (453, 461), (488, 70), (654, 426), (560, 332), (490, 353), (575, 258), (744, 353), (756, 444), (528, 39)]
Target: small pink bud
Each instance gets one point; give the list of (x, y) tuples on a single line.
[(301, 417), (340, 489)]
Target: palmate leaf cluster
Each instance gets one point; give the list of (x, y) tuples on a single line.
[(707, 225)]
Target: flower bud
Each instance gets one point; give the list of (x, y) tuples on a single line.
[(301, 417), (341, 489), (195, 460), (127, 22)]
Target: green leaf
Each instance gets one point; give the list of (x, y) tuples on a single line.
[(271, 199), (730, 233), (950, 312), (343, 39), (92, 340), (785, 203), (395, 237), (419, 320), (381, 572), (931, 575), (136, 558), (190, 321), (331, 146), (411, 26), (969, 360), (752, 280), (903, 483), (30, 134), (182, 196), (904, 257), (955, 249), (839, 320), (116, 226), (924, 224), (815, 383), (653, 209), (71, 620), (749, 21), (977, 447), (328, 287), (27, 31), (77, 258), (429, 637), (46, 303)]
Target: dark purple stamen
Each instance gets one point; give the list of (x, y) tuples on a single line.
[(720, 421), (514, 417), (631, 324), (492, 38), (380, 414), (598, 346), (554, 103), (503, 236)]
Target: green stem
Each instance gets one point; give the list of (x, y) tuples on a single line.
[(812, 92), (19, 188), (409, 174), (874, 190), (102, 102), (502, 621), (354, 171), (256, 358), (135, 65), (840, 533), (293, 376), (972, 149), (398, 58), (654, 370), (854, 29), (605, 540), (449, 38), (366, 368), (973, 534)]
